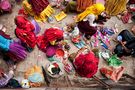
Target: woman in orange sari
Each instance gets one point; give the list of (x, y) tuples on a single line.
[(83, 4), (78, 5)]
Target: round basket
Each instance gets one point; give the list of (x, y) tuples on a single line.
[(61, 73)]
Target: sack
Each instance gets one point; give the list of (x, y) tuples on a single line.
[(5, 5)]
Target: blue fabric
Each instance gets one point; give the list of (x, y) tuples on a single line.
[(80, 45), (104, 45), (108, 31), (4, 43), (119, 38), (35, 77)]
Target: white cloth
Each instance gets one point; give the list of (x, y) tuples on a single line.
[(91, 18)]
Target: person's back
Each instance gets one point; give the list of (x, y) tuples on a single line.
[(126, 46)]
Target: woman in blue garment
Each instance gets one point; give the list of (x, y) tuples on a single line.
[(126, 46), (11, 48)]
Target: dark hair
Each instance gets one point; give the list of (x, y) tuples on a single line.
[(67, 47), (88, 37)]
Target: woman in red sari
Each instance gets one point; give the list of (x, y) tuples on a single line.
[(25, 31)]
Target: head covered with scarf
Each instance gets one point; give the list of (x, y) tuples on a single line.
[(86, 64), (95, 9), (53, 34), (50, 36), (25, 31)]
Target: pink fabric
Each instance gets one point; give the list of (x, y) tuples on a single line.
[(5, 5), (100, 1), (113, 73)]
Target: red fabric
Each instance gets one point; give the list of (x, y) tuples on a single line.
[(24, 31), (50, 34), (22, 12), (126, 18), (53, 34), (86, 65), (132, 1), (113, 73), (39, 5), (1, 72), (42, 42)]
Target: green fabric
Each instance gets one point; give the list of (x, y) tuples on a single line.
[(51, 59), (70, 7), (114, 61), (56, 70)]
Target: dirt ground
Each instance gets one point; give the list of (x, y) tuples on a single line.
[(33, 57)]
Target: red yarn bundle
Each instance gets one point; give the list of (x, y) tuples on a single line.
[(86, 64), (25, 31)]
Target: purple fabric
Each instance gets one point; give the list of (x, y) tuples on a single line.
[(4, 80), (37, 27), (51, 50), (17, 52), (18, 0), (85, 28), (132, 1)]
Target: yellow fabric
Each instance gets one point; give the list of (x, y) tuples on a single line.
[(60, 16), (53, 42), (32, 70), (27, 7), (95, 9), (114, 7), (47, 12)]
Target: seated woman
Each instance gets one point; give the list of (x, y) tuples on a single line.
[(78, 5), (85, 62), (10, 48), (7, 80), (50, 38), (4, 78), (25, 32), (38, 5), (86, 19), (126, 44)]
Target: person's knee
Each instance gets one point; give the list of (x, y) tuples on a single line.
[(118, 50)]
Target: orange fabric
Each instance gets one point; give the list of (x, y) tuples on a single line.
[(35, 84), (32, 70), (113, 73), (83, 4)]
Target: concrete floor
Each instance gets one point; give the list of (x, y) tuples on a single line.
[(38, 58)]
